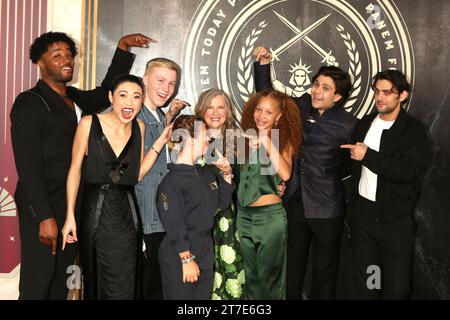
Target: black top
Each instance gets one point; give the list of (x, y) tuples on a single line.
[(42, 136), (187, 199), (102, 164)]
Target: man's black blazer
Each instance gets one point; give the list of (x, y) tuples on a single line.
[(404, 155), (42, 132), (322, 165)]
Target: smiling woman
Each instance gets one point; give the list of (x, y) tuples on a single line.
[(261, 218), (126, 97), (112, 145), (216, 109)]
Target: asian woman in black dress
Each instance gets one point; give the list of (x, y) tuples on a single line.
[(111, 147)]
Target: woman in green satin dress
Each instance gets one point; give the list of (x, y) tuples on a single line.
[(215, 107)]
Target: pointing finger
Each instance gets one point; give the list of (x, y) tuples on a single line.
[(245, 135), (258, 55), (54, 244), (64, 241), (181, 103)]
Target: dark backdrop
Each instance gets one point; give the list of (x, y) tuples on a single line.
[(183, 27)]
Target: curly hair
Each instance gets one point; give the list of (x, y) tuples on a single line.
[(41, 44), (183, 127), (289, 124)]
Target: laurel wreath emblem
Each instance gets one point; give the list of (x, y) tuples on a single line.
[(244, 74), (245, 77), (354, 69)]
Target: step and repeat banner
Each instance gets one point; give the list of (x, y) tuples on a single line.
[(213, 40)]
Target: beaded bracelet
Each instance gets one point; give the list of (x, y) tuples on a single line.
[(188, 259)]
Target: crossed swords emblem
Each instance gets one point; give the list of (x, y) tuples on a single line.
[(326, 56)]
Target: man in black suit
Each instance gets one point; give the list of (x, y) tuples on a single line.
[(390, 157), (43, 124), (314, 197)]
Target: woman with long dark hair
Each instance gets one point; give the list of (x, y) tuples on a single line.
[(111, 147)]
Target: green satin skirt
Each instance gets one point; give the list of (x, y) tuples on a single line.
[(263, 238)]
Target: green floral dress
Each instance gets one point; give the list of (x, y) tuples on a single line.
[(229, 278)]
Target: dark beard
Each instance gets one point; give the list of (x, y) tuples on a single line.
[(58, 77), (62, 79)]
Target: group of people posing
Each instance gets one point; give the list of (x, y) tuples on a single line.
[(154, 220)]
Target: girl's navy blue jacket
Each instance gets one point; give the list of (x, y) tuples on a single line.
[(187, 199)]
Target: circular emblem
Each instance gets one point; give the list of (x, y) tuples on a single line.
[(361, 38)]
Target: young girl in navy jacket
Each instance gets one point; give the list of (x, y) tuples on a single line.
[(187, 199)]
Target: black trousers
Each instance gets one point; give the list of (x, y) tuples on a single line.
[(388, 246), (43, 276), (325, 236), (151, 272)]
